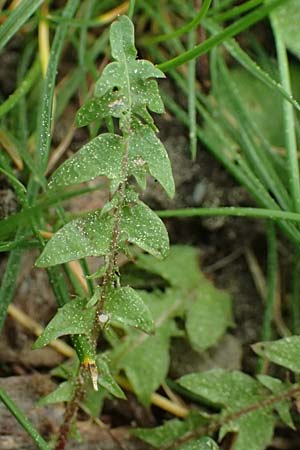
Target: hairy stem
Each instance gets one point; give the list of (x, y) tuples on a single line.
[(71, 412), (112, 258), (215, 425)]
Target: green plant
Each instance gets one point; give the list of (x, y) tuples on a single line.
[(125, 91), (137, 320)]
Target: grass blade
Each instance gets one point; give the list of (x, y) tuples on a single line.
[(289, 119), (217, 39), (16, 19), (23, 421)]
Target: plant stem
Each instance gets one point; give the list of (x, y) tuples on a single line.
[(215, 425), (231, 211), (70, 412), (111, 266), (295, 295), (266, 332)]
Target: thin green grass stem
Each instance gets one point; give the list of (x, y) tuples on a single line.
[(237, 10), (272, 271), (23, 421), (272, 284), (251, 66), (16, 19), (45, 122), (183, 30), (295, 294), (22, 89), (131, 9), (192, 96), (289, 119), (230, 31), (9, 279), (257, 213)]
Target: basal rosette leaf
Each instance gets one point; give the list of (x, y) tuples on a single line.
[(147, 363), (235, 391), (171, 430), (207, 316), (145, 147), (72, 318), (277, 386), (101, 156)]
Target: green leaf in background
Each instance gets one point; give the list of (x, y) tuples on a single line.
[(88, 236), (126, 307), (203, 443), (208, 316), (208, 309), (284, 352), (170, 431), (235, 391), (163, 435), (146, 364), (141, 226), (277, 387), (146, 148), (63, 393), (72, 318), (288, 17), (101, 156), (106, 380), (264, 106), (180, 268)]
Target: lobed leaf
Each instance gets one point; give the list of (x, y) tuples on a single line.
[(203, 443), (126, 307), (99, 108), (181, 267), (277, 387), (146, 148), (63, 393), (106, 380), (235, 391), (127, 77), (72, 318), (284, 352), (101, 156), (89, 236), (141, 226), (170, 431)]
